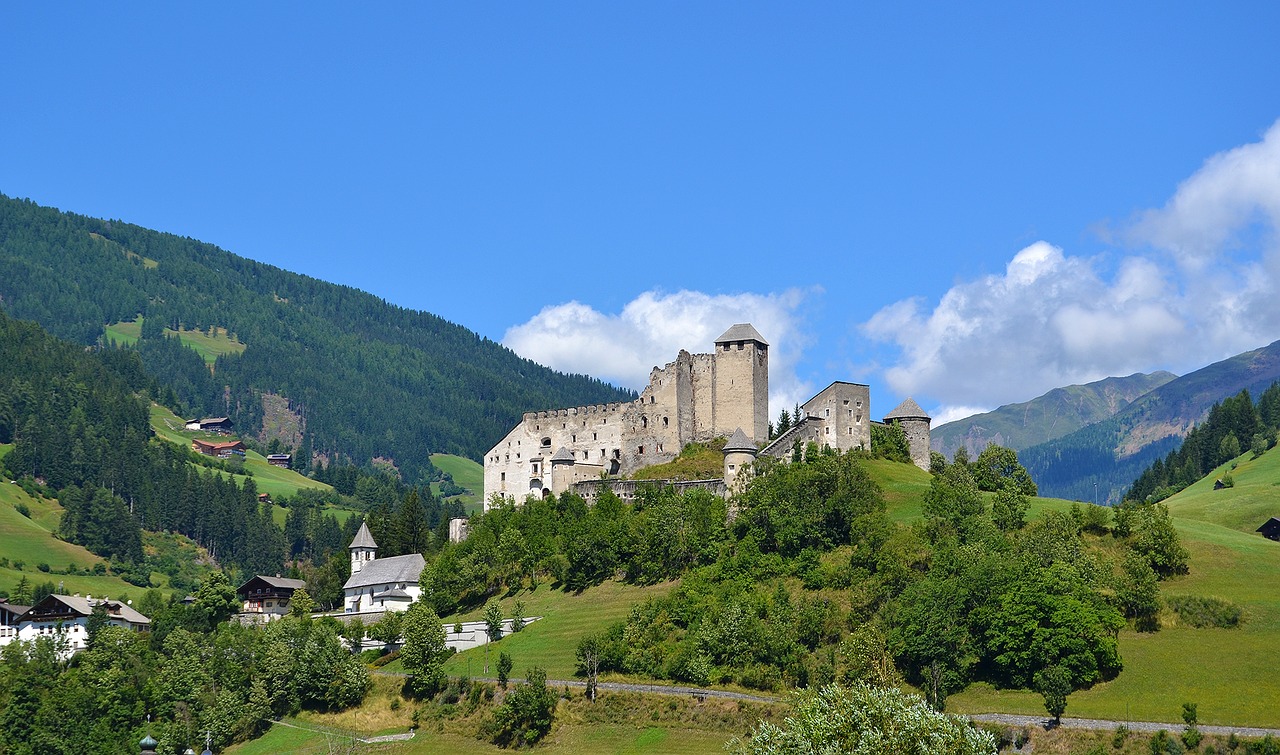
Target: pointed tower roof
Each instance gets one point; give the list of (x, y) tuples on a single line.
[(908, 409), (363, 539), (563, 454), (739, 442), (743, 331)]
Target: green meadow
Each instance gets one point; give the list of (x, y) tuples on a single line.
[(209, 344), (465, 473)]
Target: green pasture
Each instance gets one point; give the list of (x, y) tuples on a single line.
[(552, 641), (1254, 498), (208, 344), (466, 473)]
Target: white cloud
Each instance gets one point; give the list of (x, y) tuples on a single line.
[(1205, 286), (652, 328)]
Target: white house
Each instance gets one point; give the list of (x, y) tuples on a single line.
[(380, 584), (67, 617)]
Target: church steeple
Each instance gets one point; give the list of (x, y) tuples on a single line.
[(363, 548)]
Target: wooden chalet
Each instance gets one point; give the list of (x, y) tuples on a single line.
[(1270, 529), (220, 425), (67, 617), (222, 450), (268, 597), (279, 460)]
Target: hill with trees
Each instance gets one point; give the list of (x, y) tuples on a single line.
[(1059, 412), (1108, 456), (367, 379)]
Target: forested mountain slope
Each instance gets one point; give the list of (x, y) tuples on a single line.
[(1112, 453), (1059, 412), (371, 379)]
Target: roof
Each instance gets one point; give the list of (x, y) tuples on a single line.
[(393, 594), (283, 583), (214, 420), (908, 409), (563, 454), (364, 538), (13, 608), (219, 444), (85, 606), (739, 442), (1272, 524), (743, 331), (382, 571)]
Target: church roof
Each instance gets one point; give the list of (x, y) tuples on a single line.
[(739, 442), (743, 331), (394, 594), (908, 409), (364, 539), (563, 454), (382, 571)]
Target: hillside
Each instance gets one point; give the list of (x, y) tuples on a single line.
[(372, 380), (1113, 452), (1059, 412)]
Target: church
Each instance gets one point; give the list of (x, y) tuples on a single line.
[(380, 584)]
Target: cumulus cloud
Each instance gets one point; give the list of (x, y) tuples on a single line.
[(652, 328), (1198, 282)]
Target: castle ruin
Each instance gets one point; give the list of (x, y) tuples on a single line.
[(696, 398)]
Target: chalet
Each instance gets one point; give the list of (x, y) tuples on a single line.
[(380, 584), (221, 425), (267, 598), (222, 450), (67, 617), (279, 460), (10, 618), (1270, 529)]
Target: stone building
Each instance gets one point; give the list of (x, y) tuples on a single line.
[(696, 398)]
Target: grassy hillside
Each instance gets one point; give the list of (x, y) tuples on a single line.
[(269, 479), (1244, 507), (32, 542), (209, 344), (465, 473), (1053, 415)]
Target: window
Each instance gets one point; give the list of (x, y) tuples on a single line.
[(740, 345), (827, 412), (640, 450), (664, 421), (659, 448), (573, 438), (644, 421), (846, 402), (504, 477), (546, 443)]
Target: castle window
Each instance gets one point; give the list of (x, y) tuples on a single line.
[(508, 457), (731, 467), (859, 403), (659, 448), (827, 412), (741, 345), (828, 428), (644, 421), (851, 431), (846, 402), (653, 399), (504, 477), (617, 453), (546, 443), (640, 450), (573, 438)]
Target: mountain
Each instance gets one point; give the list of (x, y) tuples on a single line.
[(1112, 453), (1059, 412), (367, 380)]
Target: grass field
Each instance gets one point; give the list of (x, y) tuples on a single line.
[(208, 345), (466, 473), (1228, 672)]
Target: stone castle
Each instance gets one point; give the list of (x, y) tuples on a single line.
[(696, 398)]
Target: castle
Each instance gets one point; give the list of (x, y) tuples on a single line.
[(696, 398)]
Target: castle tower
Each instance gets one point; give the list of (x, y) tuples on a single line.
[(363, 548), (738, 453), (741, 384), (915, 425)]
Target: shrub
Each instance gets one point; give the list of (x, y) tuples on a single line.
[(1118, 739), (23, 509), (1201, 612), (385, 659), (42, 566)]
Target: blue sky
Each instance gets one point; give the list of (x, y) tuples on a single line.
[(966, 205)]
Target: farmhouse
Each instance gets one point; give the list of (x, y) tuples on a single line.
[(696, 398), (266, 598), (380, 584), (10, 618), (279, 460), (220, 425), (222, 450), (67, 617), (1270, 529)]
